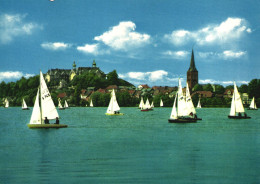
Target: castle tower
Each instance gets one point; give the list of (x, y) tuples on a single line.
[(192, 73), (94, 65)]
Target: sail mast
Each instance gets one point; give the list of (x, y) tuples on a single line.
[(40, 94)]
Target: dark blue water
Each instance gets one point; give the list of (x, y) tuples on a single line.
[(139, 147)]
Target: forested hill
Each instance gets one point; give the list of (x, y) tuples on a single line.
[(27, 88)]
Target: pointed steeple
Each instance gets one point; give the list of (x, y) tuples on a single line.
[(192, 63)]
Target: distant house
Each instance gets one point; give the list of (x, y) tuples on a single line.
[(245, 98), (203, 94), (101, 90), (131, 92), (111, 87), (143, 86), (228, 93), (61, 95)]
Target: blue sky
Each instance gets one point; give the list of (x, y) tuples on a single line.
[(146, 41)]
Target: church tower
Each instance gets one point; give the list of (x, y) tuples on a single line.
[(94, 65), (192, 73)]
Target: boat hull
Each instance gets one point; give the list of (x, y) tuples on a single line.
[(61, 108), (146, 109), (120, 114), (251, 109), (25, 109), (239, 117), (47, 126), (182, 120)]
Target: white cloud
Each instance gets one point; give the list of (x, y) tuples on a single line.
[(176, 54), (13, 75), (231, 54), (212, 81), (14, 25), (228, 30), (92, 49), (158, 77), (227, 54), (124, 37), (55, 45)]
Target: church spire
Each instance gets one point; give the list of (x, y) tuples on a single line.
[(192, 63)]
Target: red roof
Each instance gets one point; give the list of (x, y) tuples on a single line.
[(205, 94), (101, 90), (61, 95), (227, 90), (112, 87), (145, 86)]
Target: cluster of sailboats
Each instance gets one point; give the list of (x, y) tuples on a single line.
[(183, 110), (66, 106)]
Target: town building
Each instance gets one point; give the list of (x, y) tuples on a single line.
[(62, 77), (192, 73)]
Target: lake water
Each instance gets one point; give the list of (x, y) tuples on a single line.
[(139, 147)]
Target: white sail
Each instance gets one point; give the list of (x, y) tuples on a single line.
[(182, 111), (236, 104), (238, 101), (199, 105), (152, 106), (233, 106), (24, 106), (253, 104), (6, 103), (113, 105), (174, 110), (48, 108), (91, 103), (189, 104), (141, 103), (147, 104), (59, 105), (66, 104), (36, 113), (161, 103)]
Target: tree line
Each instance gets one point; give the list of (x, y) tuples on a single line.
[(27, 89)]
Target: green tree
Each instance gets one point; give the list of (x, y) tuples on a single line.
[(197, 87), (208, 87), (219, 89), (254, 88), (243, 88), (112, 78)]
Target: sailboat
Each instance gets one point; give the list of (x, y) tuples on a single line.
[(6, 103), (252, 105), (141, 103), (91, 103), (60, 106), (237, 106), (24, 106), (146, 106), (180, 113), (113, 107), (152, 105), (199, 105), (46, 110), (66, 106), (161, 103), (189, 104)]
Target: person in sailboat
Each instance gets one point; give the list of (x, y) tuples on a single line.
[(245, 114), (46, 121), (57, 121)]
